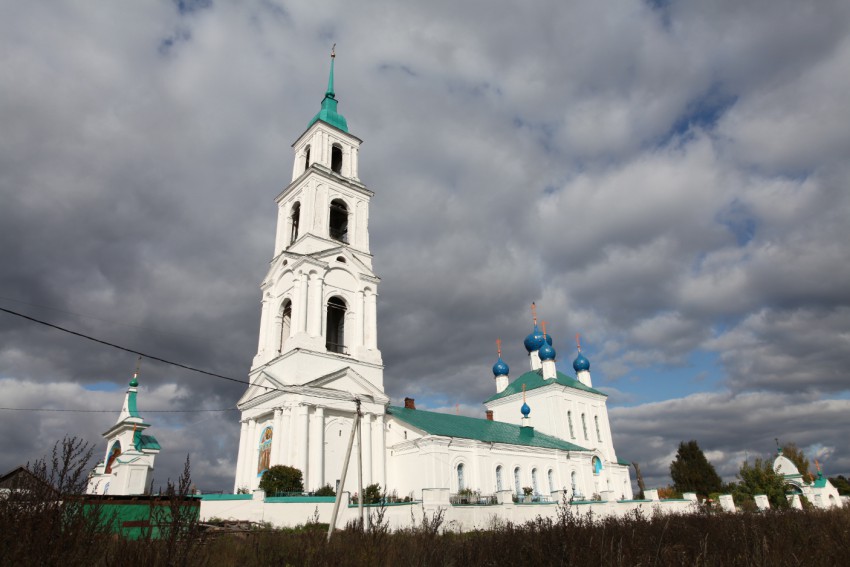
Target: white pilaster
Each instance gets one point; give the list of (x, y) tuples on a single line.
[(371, 321), (367, 449), (303, 441), (314, 296), (357, 343), (250, 470), (291, 435), (264, 321), (317, 449), (274, 458), (302, 302), (240, 459), (379, 471)]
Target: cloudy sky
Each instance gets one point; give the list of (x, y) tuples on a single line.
[(669, 179)]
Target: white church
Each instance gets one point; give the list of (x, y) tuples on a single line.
[(318, 352), (546, 436)]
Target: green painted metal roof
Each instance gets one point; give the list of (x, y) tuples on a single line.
[(447, 425), (820, 482), (131, 404), (145, 441), (328, 113), (534, 379), (623, 462)]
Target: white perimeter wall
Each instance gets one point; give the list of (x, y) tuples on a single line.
[(456, 518)]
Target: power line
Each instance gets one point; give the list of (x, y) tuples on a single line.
[(139, 353), (126, 349), (113, 411)]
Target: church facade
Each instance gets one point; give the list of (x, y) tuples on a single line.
[(318, 354)]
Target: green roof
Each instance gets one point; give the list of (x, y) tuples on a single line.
[(131, 404), (447, 425), (328, 113), (534, 379), (820, 482), (623, 462), (145, 441)]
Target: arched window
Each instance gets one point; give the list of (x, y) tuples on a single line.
[(517, 485), (570, 421), (335, 337), (336, 158), (499, 478), (338, 226), (598, 435), (534, 484), (551, 476), (113, 454), (573, 487), (597, 465), (294, 219), (285, 323), (306, 158), (460, 481), (584, 426)]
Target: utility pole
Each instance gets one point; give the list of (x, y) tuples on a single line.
[(355, 429), (360, 468)]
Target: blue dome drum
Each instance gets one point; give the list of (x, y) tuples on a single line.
[(535, 340), (547, 352), (581, 363)]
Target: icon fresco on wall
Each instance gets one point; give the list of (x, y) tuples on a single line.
[(265, 451), (113, 454)]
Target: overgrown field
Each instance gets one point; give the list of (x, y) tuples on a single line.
[(776, 538)]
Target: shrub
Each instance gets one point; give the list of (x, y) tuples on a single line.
[(326, 490), (280, 478)]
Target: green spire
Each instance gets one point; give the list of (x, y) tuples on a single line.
[(330, 91), (328, 113)]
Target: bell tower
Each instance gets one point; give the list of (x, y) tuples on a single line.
[(320, 293), (318, 343)]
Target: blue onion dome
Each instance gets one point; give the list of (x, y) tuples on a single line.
[(535, 340), (581, 363), (547, 352), (500, 368), (549, 339), (525, 410)]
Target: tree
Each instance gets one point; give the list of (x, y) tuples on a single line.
[(841, 483), (760, 478), (280, 478), (796, 456), (691, 471)]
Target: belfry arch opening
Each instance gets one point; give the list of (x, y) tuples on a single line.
[(306, 158), (336, 158), (335, 335), (338, 224), (285, 323), (294, 220)]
